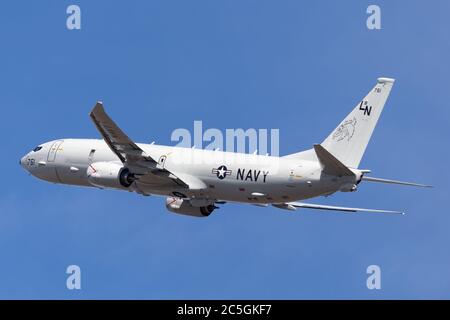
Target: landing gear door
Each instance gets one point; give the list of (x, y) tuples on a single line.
[(53, 150)]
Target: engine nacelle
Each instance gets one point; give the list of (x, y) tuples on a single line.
[(185, 207), (109, 175)]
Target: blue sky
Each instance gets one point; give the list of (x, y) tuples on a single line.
[(159, 65)]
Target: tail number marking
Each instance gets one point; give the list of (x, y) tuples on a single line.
[(363, 106)]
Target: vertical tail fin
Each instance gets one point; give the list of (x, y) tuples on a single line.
[(350, 138)]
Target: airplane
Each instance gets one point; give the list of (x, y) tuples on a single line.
[(196, 181)]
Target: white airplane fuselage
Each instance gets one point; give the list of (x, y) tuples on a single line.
[(195, 180), (244, 178)]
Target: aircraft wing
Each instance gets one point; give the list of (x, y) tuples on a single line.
[(294, 205), (131, 155)]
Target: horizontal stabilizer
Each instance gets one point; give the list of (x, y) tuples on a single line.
[(395, 182), (290, 205), (330, 164)]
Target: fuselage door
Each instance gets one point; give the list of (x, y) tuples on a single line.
[(53, 150), (91, 156)]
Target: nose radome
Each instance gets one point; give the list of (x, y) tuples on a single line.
[(22, 161)]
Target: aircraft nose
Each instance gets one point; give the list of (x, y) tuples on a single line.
[(22, 161)]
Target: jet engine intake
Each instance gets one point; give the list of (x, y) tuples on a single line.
[(109, 175)]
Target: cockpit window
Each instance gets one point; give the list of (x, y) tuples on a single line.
[(37, 149)]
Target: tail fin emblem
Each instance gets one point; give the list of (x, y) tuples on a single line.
[(345, 130)]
